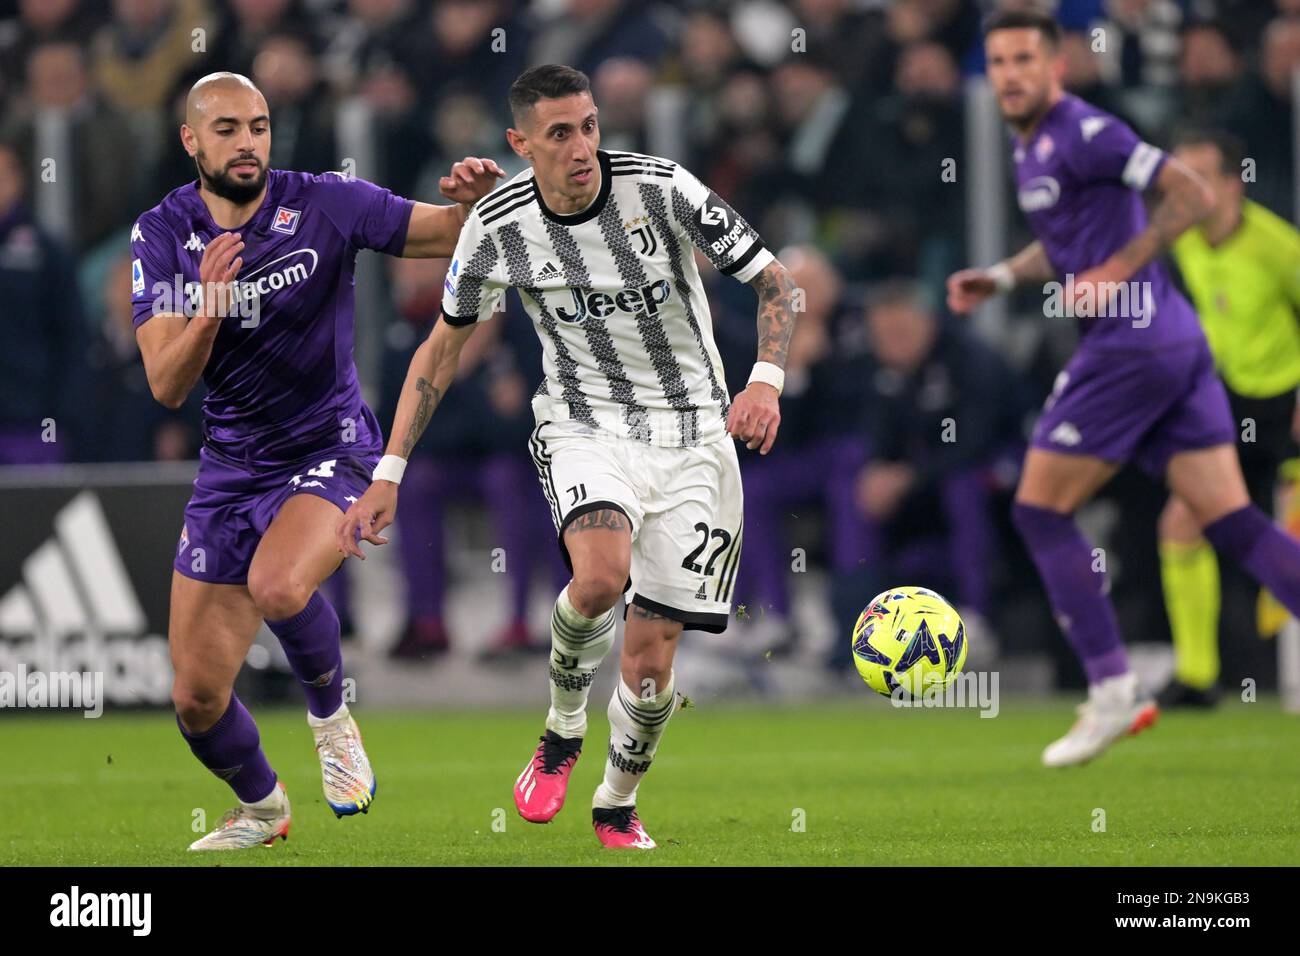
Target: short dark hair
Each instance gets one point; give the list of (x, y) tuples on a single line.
[(551, 81), (1231, 149), (1024, 20)]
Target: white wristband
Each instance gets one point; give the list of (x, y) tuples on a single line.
[(390, 468), (768, 374), (1003, 278)]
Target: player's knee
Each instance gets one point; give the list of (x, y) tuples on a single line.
[(197, 706), (647, 670), (278, 594), (595, 590)]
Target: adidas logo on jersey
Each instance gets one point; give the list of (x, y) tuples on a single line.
[(647, 299), (548, 272), (195, 244), (700, 595)]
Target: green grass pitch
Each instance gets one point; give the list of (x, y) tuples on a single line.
[(870, 785)]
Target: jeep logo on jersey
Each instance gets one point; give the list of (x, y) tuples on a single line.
[(646, 299), (1041, 192)]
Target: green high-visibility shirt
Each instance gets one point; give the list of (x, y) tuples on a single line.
[(1247, 293)]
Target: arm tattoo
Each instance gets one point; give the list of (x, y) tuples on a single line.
[(775, 291), (604, 519), (429, 397), (1178, 210)]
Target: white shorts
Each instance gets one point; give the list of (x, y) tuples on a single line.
[(685, 506)]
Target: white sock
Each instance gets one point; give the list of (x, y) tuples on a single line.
[(578, 645), (315, 721), (1118, 691), (272, 802), (635, 726)]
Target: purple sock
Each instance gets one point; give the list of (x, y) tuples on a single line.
[(1272, 557), (232, 749), (311, 642), (1076, 591)]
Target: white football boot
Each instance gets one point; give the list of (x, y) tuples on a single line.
[(345, 769), (249, 824), (1112, 710)]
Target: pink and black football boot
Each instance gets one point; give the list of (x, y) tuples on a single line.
[(540, 789), (619, 829)]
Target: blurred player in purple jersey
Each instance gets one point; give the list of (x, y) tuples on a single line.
[(1141, 386), (244, 278)]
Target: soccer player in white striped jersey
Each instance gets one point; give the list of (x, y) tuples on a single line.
[(632, 443)]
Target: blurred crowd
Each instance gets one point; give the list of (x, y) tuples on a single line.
[(826, 122)]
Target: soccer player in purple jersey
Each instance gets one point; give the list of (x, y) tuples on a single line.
[(1141, 386), (244, 278)]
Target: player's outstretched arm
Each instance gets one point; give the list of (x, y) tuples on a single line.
[(969, 288), (755, 413), (175, 350), (433, 230), (432, 369)]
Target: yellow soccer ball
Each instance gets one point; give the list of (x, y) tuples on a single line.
[(908, 640)]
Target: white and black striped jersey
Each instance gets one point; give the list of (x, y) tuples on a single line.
[(614, 293)]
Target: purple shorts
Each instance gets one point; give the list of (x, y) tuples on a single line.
[(231, 508), (1143, 407)]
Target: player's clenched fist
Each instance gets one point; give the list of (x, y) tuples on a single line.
[(968, 288), (370, 514), (755, 416), (470, 180), (220, 264)]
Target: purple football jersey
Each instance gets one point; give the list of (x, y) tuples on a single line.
[(282, 384), (1079, 179)]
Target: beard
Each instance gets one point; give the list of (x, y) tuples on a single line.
[(1027, 114), (225, 185)]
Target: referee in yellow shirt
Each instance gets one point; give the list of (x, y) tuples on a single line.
[(1241, 267)]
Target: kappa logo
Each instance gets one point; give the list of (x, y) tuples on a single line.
[(136, 234), (286, 220), (1091, 126), (194, 244), (1065, 434)]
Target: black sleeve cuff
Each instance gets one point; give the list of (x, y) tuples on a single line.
[(754, 249), (459, 322)]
